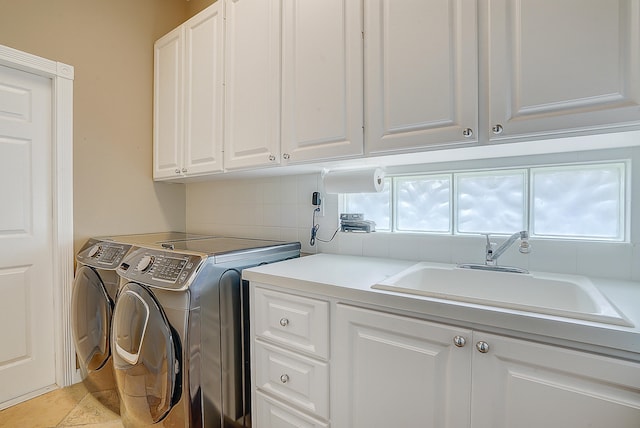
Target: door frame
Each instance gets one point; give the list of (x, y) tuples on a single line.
[(61, 76)]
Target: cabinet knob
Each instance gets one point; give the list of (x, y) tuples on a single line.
[(468, 133), (482, 347), (286, 156), (284, 378), (459, 341), (272, 158), (184, 169), (497, 129), (177, 171), (284, 322)]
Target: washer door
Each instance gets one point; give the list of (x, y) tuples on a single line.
[(91, 310), (145, 357)]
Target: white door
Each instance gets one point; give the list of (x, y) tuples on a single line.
[(519, 384), (27, 360), (421, 74), (204, 91), (252, 83), (561, 66), (321, 80), (167, 106), (395, 371)]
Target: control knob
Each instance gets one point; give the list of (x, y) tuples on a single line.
[(93, 251), (145, 263)]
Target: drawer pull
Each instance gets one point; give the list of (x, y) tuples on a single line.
[(284, 322), (284, 378)]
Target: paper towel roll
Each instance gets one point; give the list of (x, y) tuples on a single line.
[(354, 181)]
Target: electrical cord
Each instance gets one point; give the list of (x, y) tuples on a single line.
[(314, 230)]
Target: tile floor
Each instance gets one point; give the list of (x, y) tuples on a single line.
[(67, 407)]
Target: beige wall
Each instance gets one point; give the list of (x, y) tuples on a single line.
[(195, 6), (110, 44)]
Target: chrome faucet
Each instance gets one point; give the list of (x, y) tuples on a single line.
[(491, 255)]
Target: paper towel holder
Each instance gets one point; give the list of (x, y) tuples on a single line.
[(357, 180)]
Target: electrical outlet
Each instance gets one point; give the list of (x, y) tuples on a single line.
[(317, 202)]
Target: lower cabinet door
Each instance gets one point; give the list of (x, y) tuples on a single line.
[(521, 384), (270, 413), (395, 371)]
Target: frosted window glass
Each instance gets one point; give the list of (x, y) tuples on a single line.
[(374, 206), (578, 202), (491, 202), (423, 204)]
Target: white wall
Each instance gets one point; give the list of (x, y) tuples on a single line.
[(280, 208)]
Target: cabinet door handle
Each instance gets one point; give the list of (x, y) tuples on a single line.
[(468, 133), (177, 171), (497, 129), (482, 347), (284, 378), (459, 341), (284, 322), (272, 158), (286, 156), (184, 169)]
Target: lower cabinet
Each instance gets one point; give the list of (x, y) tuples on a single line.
[(522, 384), (270, 413), (289, 360), (320, 363), (395, 371)]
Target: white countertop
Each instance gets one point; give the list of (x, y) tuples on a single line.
[(349, 279)]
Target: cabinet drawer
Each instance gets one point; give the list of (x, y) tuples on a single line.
[(270, 413), (298, 322), (297, 379)]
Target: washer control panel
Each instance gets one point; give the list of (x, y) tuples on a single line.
[(102, 254), (157, 268)]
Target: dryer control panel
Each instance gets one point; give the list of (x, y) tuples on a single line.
[(102, 254), (161, 269)]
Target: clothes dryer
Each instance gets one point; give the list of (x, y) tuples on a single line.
[(94, 292), (180, 332)]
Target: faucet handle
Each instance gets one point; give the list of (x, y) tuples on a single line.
[(488, 251)]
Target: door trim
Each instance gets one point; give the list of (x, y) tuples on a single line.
[(61, 76)]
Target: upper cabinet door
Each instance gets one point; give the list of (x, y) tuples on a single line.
[(252, 102), (421, 85), (561, 66), (321, 79), (167, 110), (204, 91)]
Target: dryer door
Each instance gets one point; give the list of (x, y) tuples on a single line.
[(145, 357), (91, 310)]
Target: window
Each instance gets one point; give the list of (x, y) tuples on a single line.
[(579, 201)]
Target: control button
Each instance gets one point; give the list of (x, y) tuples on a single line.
[(145, 263)]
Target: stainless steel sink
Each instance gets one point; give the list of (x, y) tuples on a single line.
[(568, 296)]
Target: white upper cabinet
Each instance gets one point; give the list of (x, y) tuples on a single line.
[(188, 89), (421, 74), (252, 64), (321, 79), (293, 81), (554, 67), (167, 107)]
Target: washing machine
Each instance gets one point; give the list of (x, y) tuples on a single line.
[(180, 333), (93, 297)]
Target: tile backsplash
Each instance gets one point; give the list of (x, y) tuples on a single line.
[(280, 208)]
